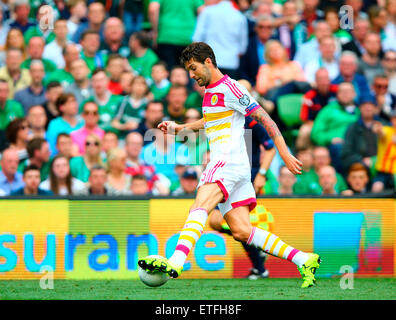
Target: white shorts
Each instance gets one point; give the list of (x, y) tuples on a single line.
[(234, 182)]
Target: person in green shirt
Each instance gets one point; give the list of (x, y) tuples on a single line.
[(142, 57), (9, 109), (107, 102), (39, 154), (36, 31), (130, 110), (70, 53), (332, 18), (35, 51), (90, 42), (308, 182), (160, 84), (173, 25)]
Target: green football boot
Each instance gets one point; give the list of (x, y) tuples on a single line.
[(308, 270), (160, 264)]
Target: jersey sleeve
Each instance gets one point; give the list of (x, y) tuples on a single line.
[(239, 98)]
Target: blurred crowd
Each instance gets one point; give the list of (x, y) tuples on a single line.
[(84, 84)]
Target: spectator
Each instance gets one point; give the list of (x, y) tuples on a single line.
[(18, 136), (165, 154), (188, 183), (142, 57), (96, 16), (229, 44), (132, 108), (60, 181), (90, 115), (378, 18), (331, 17), (21, 20), (176, 99), (357, 6), (9, 109), (158, 184), (348, 73), (360, 142), (291, 32), (114, 33), (53, 90), (309, 50), (370, 62), (139, 185), (173, 26), (106, 101), (70, 53), (308, 182), (35, 51), (53, 50), (359, 32), (390, 28), (314, 100), (125, 82), (327, 180), (80, 166), (90, 42), (65, 146), (110, 141), (81, 87), (389, 65), (14, 40), (43, 28), (333, 120), (68, 120), (160, 83), (4, 29), (152, 118), (115, 67), (132, 13), (97, 182), (78, 12), (35, 93), (327, 60), (39, 155), (385, 100), (31, 179), (16, 77), (117, 180), (286, 181), (179, 76), (279, 75), (254, 57), (358, 180), (386, 164), (10, 179), (310, 15), (37, 120)]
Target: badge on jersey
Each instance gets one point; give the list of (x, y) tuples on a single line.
[(214, 100), (244, 100)]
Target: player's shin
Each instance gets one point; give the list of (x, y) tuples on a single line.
[(191, 232), (274, 246)]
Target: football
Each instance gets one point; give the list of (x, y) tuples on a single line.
[(152, 279)]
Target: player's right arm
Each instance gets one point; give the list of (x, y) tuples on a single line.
[(172, 127)]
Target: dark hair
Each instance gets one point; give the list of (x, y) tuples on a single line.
[(62, 99), (33, 145), (96, 167), (88, 32), (98, 70), (143, 38), (54, 186), (30, 167), (178, 86), (53, 84), (199, 52), (62, 134), (13, 128), (113, 56), (139, 177), (160, 63), (154, 102)]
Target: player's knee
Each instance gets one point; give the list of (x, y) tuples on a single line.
[(241, 234)]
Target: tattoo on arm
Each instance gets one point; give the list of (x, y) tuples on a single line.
[(262, 117)]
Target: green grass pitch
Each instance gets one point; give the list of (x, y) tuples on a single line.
[(200, 289)]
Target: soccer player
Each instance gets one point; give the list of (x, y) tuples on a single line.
[(226, 179)]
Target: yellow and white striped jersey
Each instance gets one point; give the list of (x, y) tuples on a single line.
[(225, 105)]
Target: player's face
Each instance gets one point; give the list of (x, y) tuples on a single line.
[(200, 72)]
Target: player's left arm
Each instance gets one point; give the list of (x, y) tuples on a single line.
[(262, 117)]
